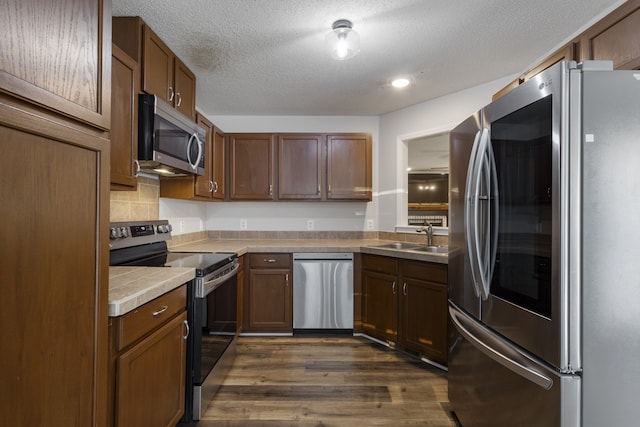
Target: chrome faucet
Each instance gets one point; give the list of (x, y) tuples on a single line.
[(429, 230)]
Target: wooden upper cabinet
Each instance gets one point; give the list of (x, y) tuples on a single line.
[(566, 53), (349, 165), (300, 166), (185, 89), (616, 37), (124, 120), (219, 164), (163, 73), (157, 66), (32, 71), (251, 166), (204, 183)]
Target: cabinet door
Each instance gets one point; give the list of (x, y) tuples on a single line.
[(299, 166), (124, 120), (380, 305), (219, 162), (269, 301), (251, 165), (151, 378), (204, 183), (157, 67), (53, 54), (423, 318), (54, 270), (349, 167), (185, 90), (615, 37)]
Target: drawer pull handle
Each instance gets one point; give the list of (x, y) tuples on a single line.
[(159, 312), (269, 260)]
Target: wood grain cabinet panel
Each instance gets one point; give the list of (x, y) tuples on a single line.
[(124, 120), (251, 166), (349, 165), (157, 66), (71, 73), (151, 378), (219, 164), (268, 294), (616, 37), (185, 89), (405, 302), (300, 166)]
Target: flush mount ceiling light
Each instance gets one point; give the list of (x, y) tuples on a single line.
[(342, 42), (401, 82)]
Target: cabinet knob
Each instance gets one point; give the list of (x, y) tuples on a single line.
[(178, 99), (171, 93), (187, 330), (269, 260), (393, 287), (211, 187), (404, 289)]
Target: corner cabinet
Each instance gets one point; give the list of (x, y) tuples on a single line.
[(268, 296), (148, 363), (54, 183), (404, 302)]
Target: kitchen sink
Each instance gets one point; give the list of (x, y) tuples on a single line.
[(399, 245), (432, 249)]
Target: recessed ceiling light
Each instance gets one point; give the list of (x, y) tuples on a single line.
[(400, 82)]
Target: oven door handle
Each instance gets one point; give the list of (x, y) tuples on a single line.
[(213, 284)]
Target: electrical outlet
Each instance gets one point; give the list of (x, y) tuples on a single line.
[(243, 224), (309, 224), (181, 226), (369, 224)]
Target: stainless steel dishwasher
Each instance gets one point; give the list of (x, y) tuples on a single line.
[(322, 291)]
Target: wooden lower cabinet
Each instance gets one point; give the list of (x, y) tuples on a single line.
[(148, 363), (405, 302), (268, 297)]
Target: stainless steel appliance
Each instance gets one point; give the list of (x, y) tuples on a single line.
[(543, 266), (211, 303), (169, 143), (322, 291)]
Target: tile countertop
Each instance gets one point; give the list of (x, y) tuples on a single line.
[(241, 247), (131, 287)]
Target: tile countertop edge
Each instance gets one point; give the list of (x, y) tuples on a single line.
[(241, 247), (132, 287)]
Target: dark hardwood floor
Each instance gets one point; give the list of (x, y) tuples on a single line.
[(327, 381)]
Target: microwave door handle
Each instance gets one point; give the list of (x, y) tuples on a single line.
[(192, 139), (469, 207), (498, 350)]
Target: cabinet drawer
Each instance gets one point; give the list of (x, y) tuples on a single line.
[(381, 264), (268, 260), (424, 271), (139, 322)]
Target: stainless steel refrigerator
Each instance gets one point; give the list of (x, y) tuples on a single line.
[(544, 266)]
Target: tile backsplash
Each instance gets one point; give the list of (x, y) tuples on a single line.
[(139, 205)]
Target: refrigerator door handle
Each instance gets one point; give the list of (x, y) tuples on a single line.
[(482, 169), (499, 351), (470, 207)]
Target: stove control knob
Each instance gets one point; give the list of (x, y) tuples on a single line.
[(160, 229), (124, 231), (113, 233), (169, 228)]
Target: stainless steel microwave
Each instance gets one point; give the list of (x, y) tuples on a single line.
[(169, 143)]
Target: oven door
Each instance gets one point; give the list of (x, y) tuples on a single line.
[(519, 215), (215, 330)]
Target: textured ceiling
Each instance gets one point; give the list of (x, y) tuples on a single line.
[(267, 57)]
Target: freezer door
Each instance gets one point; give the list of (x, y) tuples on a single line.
[(462, 140), (494, 384)]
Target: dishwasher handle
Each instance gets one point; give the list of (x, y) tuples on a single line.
[(323, 256)]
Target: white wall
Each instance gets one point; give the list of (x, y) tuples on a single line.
[(389, 193), (430, 117)]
